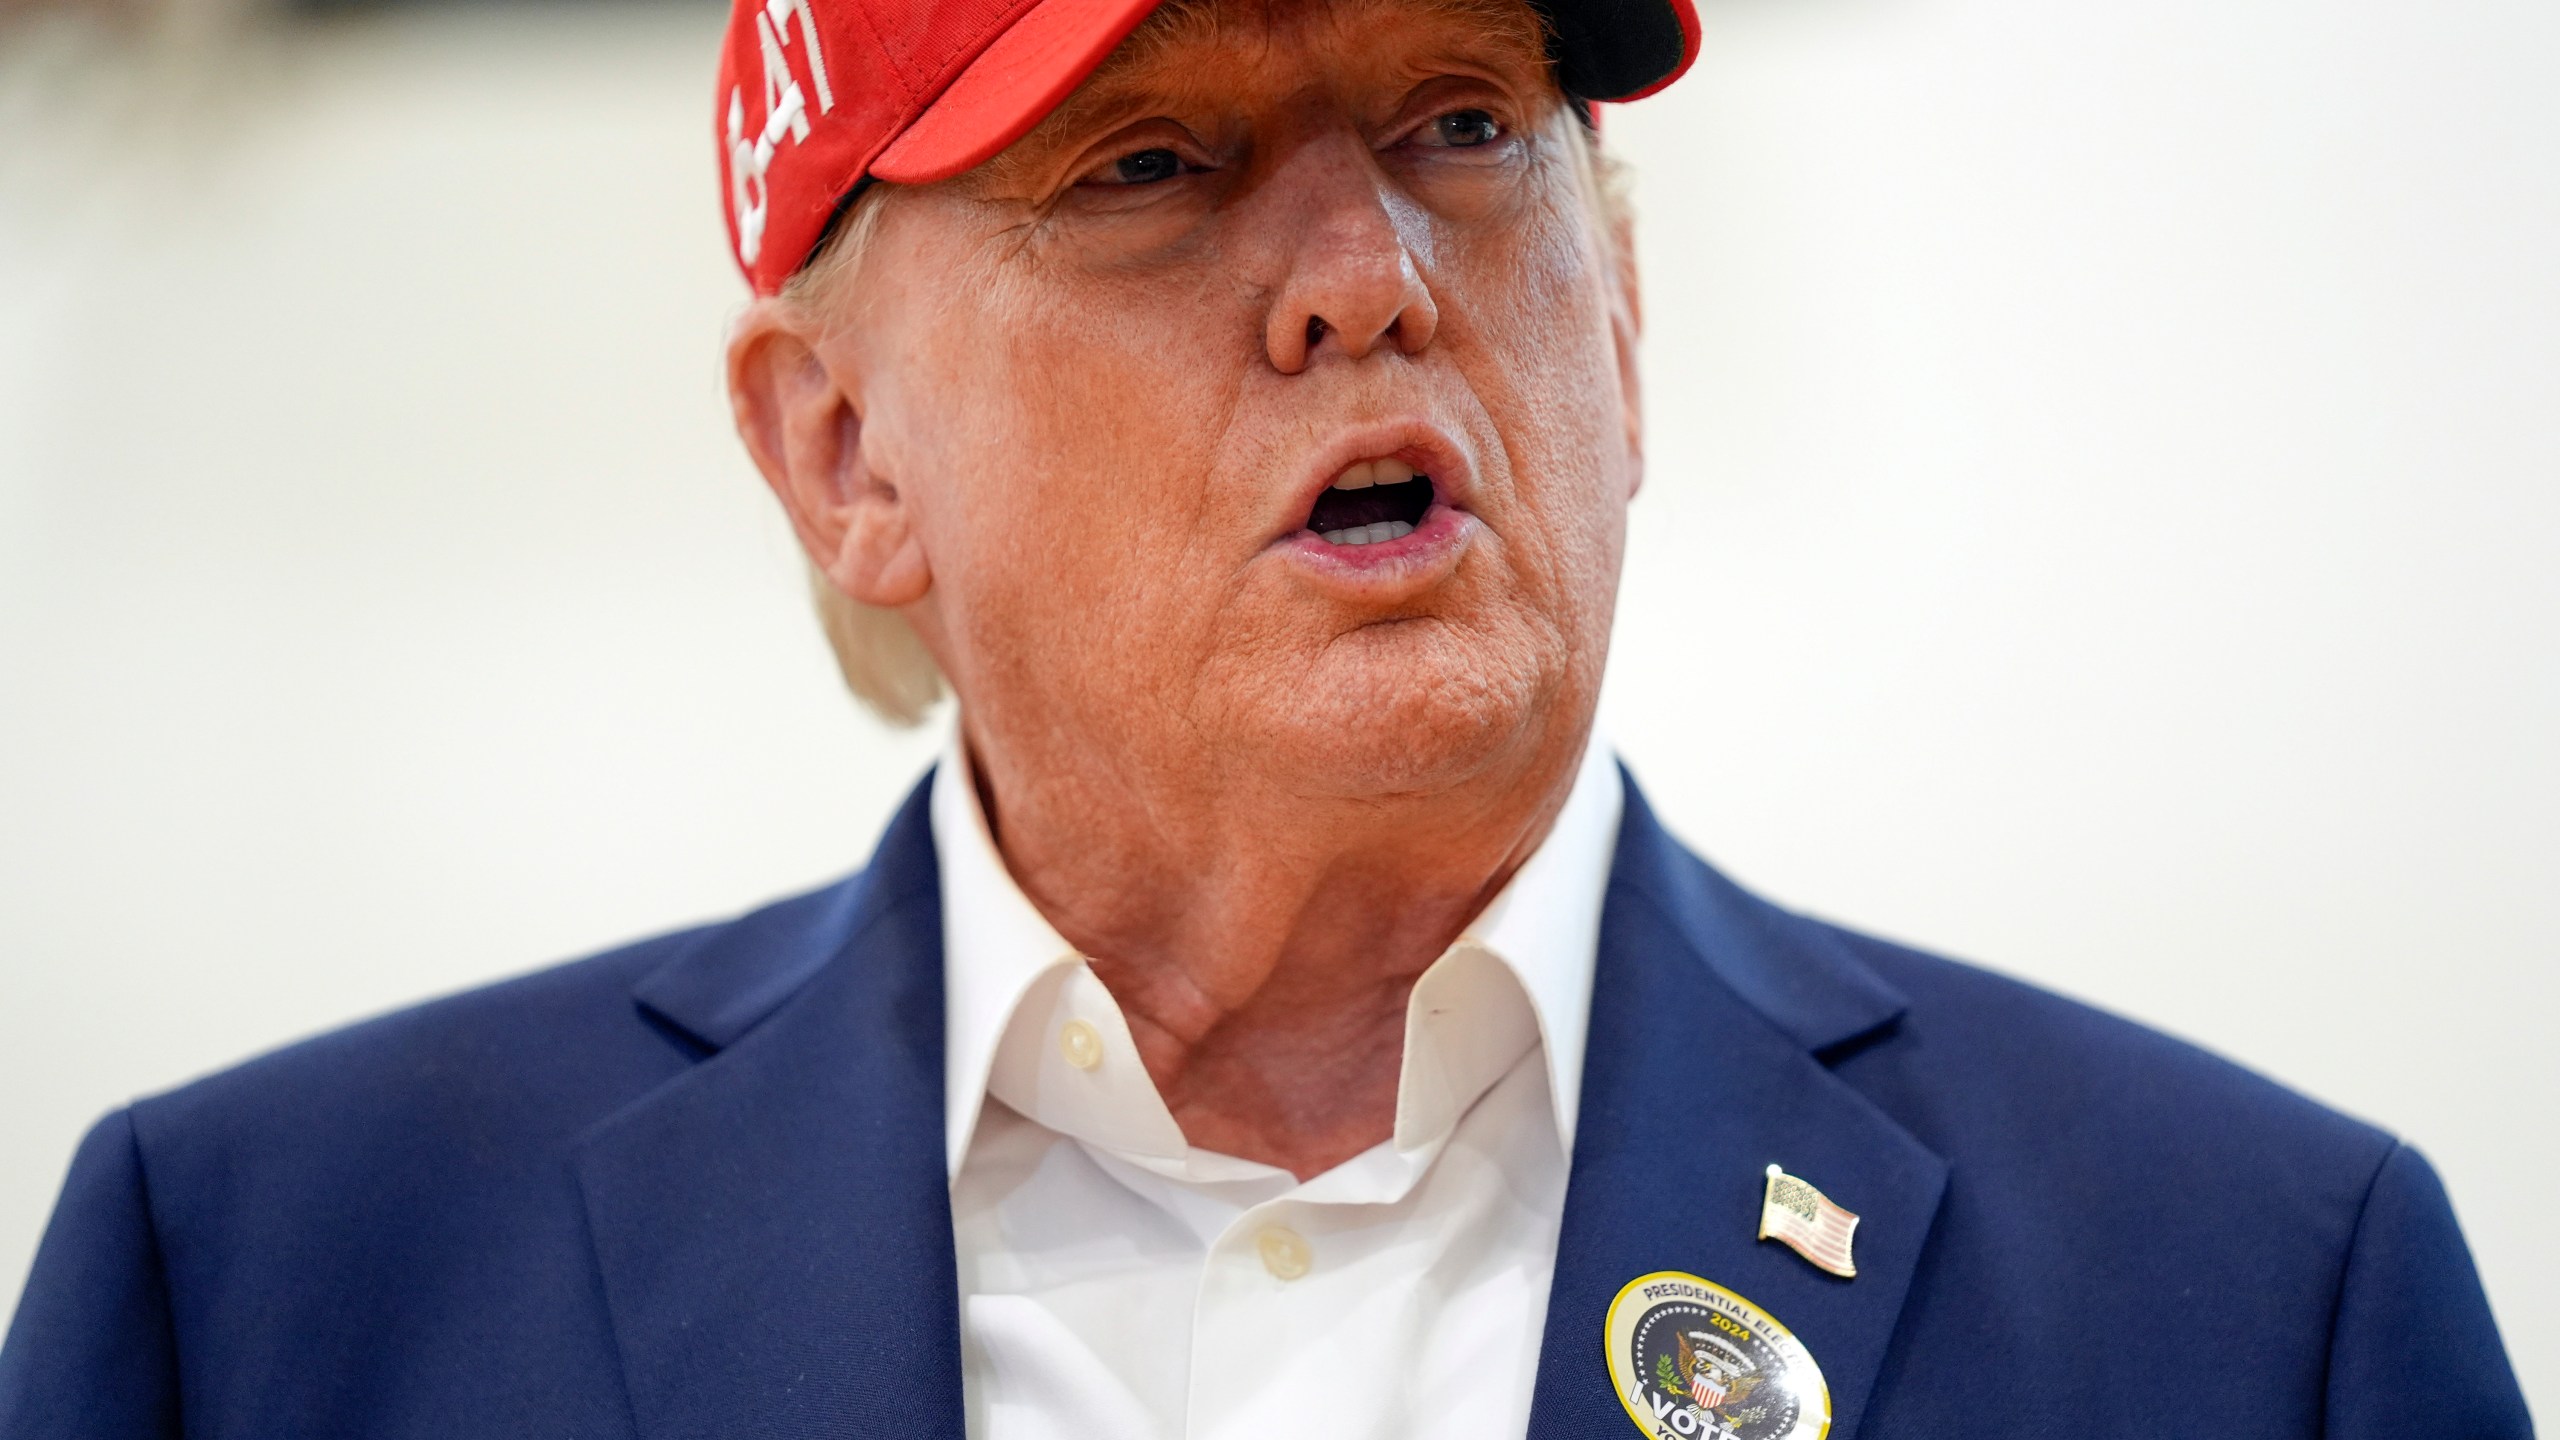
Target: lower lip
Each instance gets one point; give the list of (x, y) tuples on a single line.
[(1431, 548)]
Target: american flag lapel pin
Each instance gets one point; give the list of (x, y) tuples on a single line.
[(1804, 1220)]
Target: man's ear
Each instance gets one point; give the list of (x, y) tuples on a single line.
[(798, 409), (1626, 329)]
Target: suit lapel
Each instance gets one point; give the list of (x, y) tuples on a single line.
[(774, 1226), (1710, 1013)]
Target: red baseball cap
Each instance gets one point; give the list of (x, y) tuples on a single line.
[(818, 95)]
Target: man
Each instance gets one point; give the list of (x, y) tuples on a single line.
[(1278, 1015)]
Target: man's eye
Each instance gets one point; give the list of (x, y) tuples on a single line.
[(1146, 167), (1462, 128)]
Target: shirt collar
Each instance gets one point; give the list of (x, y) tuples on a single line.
[(1545, 924), (1519, 974)]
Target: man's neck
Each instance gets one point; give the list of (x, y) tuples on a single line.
[(1264, 944)]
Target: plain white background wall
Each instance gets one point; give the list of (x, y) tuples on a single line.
[(2104, 521)]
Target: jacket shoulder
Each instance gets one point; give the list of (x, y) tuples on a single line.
[(537, 1057), (2102, 1175), (1973, 1062), (2028, 1073), (2114, 1203), (382, 1209)]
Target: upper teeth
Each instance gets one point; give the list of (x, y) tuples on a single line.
[(1373, 472)]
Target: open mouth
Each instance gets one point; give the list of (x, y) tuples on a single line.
[(1370, 503)]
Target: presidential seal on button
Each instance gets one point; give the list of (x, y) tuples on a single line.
[(1691, 1360)]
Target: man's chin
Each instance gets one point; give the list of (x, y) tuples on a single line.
[(1413, 707)]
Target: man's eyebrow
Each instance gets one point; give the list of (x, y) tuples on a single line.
[(1110, 97), (1130, 74)]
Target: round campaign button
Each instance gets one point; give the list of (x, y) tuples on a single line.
[(1691, 1360)]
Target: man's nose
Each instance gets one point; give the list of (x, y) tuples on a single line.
[(1355, 280)]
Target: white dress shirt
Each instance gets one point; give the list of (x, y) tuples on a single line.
[(1117, 1281)]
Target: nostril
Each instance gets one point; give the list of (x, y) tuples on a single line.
[(1315, 331)]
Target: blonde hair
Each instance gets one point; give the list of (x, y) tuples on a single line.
[(884, 662), (882, 659)]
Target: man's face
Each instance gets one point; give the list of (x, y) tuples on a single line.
[(1112, 376)]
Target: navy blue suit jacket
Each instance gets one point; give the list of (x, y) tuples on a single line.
[(695, 1188)]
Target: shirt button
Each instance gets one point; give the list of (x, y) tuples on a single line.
[(1081, 1044), (1284, 1252)]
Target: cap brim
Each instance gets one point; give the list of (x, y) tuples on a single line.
[(1009, 88), (1609, 50)]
